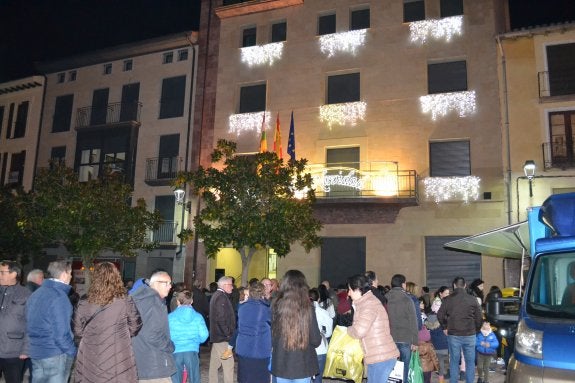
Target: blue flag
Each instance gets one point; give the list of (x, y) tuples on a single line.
[(291, 140)]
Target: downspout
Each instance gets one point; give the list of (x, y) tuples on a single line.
[(506, 129), (39, 131)]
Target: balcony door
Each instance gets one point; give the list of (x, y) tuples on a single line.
[(165, 204), (168, 156), (345, 162), (561, 126), (99, 106), (130, 98)]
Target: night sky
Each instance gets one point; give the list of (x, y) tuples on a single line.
[(36, 30)]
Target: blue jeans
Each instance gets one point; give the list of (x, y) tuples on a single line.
[(379, 372), (404, 356), (55, 369), (191, 361), (284, 380), (321, 361), (457, 344)]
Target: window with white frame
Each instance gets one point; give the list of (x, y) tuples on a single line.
[(128, 65), (182, 55), (168, 58), (107, 68)]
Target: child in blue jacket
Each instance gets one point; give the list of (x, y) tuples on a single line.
[(486, 346), (187, 330)]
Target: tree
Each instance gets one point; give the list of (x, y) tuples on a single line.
[(250, 203), (89, 217)]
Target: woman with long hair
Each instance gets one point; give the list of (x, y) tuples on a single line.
[(254, 341), (105, 321), (295, 331), (371, 327)]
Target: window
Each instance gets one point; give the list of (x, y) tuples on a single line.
[(249, 37), (441, 265), (447, 77), (168, 58), (173, 95), (343, 160), (168, 156), (58, 154), (343, 88), (10, 120), (1, 119), (279, 32), (450, 8), (128, 65), (561, 67), (72, 75), (561, 130), (182, 55), (21, 120), (61, 77), (359, 19), (62, 113), (413, 10), (16, 173), (449, 159), (252, 98), (108, 68), (89, 165), (326, 24)]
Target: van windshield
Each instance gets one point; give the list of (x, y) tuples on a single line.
[(552, 289)]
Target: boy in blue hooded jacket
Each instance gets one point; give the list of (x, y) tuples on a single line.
[(486, 346)]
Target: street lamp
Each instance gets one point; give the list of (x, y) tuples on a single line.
[(180, 194), (529, 170)]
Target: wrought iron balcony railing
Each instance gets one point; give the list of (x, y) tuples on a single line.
[(377, 179), (162, 169), (114, 113), (556, 84), (559, 154), (166, 233)]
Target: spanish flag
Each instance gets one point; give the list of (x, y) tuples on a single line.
[(278, 139)]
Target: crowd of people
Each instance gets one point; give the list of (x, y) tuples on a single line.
[(153, 330)]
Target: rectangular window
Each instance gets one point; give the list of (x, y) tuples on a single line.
[(1, 119), (10, 121), (128, 65), (561, 67), (173, 95), (72, 75), (182, 55), (343, 160), (89, 168), (253, 98), (359, 19), (450, 8), (413, 10), (62, 113), (61, 77), (343, 88), (21, 120), (447, 77), (16, 174), (279, 32), (249, 37), (326, 24), (108, 68), (561, 133), (168, 156), (449, 159), (442, 264), (58, 154), (168, 58)]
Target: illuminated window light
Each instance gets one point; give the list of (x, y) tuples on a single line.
[(262, 54), (244, 122), (452, 188), (437, 29), (441, 104), (342, 114), (342, 42)]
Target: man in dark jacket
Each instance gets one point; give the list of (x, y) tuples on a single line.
[(460, 314), (222, 327), (153, 347), (13, 339)]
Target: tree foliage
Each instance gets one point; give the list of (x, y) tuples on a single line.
[(250, 203)]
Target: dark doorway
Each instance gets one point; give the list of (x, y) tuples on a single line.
[(341, 258)]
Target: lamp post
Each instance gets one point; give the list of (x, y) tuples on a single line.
[(529, 170)]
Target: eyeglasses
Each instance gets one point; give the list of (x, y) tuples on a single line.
[(166, 283)]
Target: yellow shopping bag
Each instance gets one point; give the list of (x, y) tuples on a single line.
[(344, 358)]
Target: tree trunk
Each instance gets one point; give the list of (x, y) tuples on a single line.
[(246, 254)]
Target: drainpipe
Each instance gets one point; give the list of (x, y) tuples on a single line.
[(506, 129), (39, 131)]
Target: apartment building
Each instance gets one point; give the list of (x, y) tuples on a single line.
[(395, 106), (128, 109), (20, 111)]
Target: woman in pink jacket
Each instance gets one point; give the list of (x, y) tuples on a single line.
[(371, 327)]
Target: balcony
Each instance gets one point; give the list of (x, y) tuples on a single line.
[(379, 180), (162, 170), (166, 234), (559, 154), (114, 114), (556, 85)]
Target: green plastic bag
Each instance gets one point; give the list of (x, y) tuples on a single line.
[(344, 359), (415, 374)]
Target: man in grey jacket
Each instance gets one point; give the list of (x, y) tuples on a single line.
[(13, 339), (153, 347), (402, 320)]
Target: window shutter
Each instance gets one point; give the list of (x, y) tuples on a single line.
[(449, 159), (442, 265)]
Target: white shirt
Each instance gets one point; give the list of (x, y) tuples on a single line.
[(324, 322)]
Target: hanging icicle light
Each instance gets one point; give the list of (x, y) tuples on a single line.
[(342, 42), (243, 122), (342, 114), (452, 188), (262, 54), (444, 28), (442, 103)]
